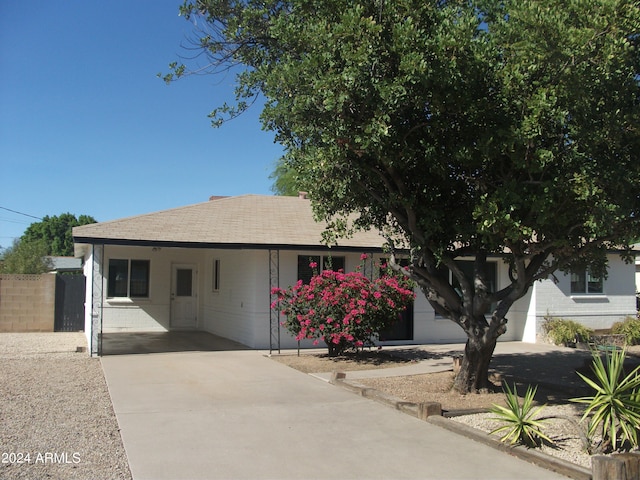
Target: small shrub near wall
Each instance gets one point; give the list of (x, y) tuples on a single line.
[(630, 328), (565, 332)]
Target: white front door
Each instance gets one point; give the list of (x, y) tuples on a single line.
[(184, 298)]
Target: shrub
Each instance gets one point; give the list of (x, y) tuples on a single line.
[(630, 328), (520, 421), (345, 310), (615, 406), (565, 332)]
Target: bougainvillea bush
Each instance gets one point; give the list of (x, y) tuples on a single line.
[(345, 310)]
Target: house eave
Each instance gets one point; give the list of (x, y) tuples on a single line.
[(222, 246)]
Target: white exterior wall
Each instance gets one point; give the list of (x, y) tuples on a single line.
[(87, 270), (150, 314), (235, 310), (239, 310), (596, 311)]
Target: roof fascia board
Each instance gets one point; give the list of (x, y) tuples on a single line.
[(222, 246)]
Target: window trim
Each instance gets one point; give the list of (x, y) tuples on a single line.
[(128, 296)]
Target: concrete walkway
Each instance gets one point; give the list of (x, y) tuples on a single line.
[(533, 362), (240, 415)]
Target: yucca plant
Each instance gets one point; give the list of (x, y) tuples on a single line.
[(519, 421), (615, 407)]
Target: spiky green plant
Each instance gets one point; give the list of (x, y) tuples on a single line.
[(615, 406), (519, 421)]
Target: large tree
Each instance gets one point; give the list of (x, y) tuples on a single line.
[(51, 236), (464, 129), (56, 232)]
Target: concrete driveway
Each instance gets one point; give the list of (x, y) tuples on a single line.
[(240, 415)]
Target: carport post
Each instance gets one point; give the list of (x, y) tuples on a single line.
[(274, 313), (97, 283)]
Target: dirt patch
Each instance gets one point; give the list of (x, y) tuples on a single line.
[(349, 362)]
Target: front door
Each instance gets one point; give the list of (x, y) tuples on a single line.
[(184, 298)]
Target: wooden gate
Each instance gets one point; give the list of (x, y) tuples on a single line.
[(69, 316)]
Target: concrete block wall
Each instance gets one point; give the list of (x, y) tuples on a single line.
[(27, 303)]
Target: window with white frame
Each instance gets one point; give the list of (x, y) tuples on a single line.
[(582, 281), (327, 262), (128, 278)]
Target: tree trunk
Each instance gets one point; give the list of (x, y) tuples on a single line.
[(474, 370)]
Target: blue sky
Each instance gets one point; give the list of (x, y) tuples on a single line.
[(86, 127)]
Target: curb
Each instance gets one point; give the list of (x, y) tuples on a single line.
[(431, 412)]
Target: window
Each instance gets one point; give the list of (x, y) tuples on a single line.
[(467, 267), (128, 278), (583, 282), (215, 278), (305, 272)]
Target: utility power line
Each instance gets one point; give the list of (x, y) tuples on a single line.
[(20, 213)]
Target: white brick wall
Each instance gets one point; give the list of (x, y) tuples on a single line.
[(240, 309)]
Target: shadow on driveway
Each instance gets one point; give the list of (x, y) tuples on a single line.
[(128, 343)]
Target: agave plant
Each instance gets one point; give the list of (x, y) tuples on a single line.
[(520, 421), (615, 406)]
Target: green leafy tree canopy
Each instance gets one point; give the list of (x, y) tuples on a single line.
[(463, 129), (55, 232), (50, 237), (25, 258)]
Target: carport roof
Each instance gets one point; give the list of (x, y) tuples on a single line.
[(245, 221)]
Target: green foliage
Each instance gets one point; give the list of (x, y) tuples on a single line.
[(519, 420), (284, 179), (50, 237), (615, 406), (55, 232), (25, 257), (462, 129), (630, 328), (565, 332)]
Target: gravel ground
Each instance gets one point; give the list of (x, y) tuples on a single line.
[(564, 431), (57, 417)]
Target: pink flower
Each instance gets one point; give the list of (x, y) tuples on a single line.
[(313, 265), (364, 256), (377, 294)]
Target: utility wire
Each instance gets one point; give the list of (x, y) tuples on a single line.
[(20, 213)]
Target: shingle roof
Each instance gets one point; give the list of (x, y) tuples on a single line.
[(259, 221)]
